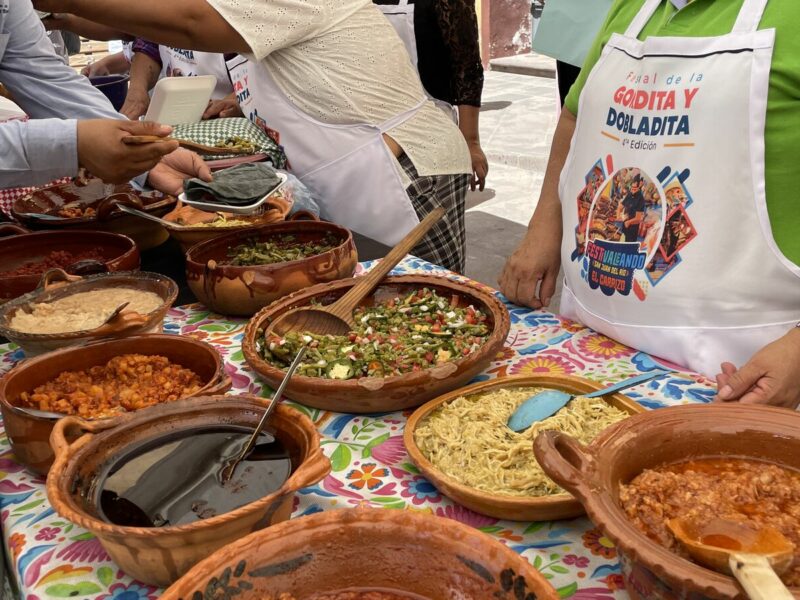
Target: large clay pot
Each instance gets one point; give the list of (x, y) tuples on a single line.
[(160, 555), (242, 291), (119, 253), (29, 435), (432, 557), (514, 508), (373, 394), (593, 474), (57, 284)]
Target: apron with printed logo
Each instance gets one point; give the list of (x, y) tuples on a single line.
[(667, 243), (190, 63), (349, 167)]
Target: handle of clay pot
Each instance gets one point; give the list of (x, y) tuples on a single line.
[(56, 278), (315, 468), (222, 386), (303, 215), (123, 323), (109, 205), (565, 460), (75, 425), (10, 229)]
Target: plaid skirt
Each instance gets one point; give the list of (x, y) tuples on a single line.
[(446, 243)]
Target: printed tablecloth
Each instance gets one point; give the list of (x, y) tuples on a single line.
[(51, 558)]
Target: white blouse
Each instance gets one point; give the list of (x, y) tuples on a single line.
[(341, 61)]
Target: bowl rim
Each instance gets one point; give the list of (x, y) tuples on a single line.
[(497, 310), (474, 495), (29, 298), (26, 363), (313, 456), (637, 545), (62, 232), (228, 236), (337, 518)]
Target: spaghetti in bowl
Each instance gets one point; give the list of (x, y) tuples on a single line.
[(461, 443)]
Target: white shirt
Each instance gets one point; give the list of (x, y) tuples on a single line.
[(341, 61)]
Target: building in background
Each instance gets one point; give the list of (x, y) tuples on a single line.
[(506, 26)]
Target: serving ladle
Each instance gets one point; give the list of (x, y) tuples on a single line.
[(337, 318), (754, 555), (546, 403), (143, 215), (227, 470)]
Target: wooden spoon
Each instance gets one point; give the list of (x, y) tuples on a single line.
[(755, 556), (135, 140), (337, 318)]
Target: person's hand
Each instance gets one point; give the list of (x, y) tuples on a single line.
[(168, 175), (223, 108), (97, 69), (535, 262), (136, 103), (480, 166), (102, 152), (771, 376)]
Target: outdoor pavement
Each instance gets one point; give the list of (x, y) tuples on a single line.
[(517, 121)]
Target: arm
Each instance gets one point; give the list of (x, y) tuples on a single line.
[(108, 65), (180, 23), (538, 257), (84, 27), (468, 124), (143, 76)]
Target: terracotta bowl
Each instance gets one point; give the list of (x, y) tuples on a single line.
[(242, 291), (119, 254), (372, 394), (160, 555), (514, 508), (403, 551), (29, 435), (95, 194), (57, 284), (594, 473)]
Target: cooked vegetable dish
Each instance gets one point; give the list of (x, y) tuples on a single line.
[(126, 383), (403, 335), (734, 489), (281, 249), (237, 143)]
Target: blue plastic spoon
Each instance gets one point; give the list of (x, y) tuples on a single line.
[(549, 402)]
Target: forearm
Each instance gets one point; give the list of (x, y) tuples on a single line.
[(189, 24), (144, 73), (37, 152), (549, 207), (468, 117), (86, 28)]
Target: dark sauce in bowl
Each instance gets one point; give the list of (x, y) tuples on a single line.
[(177, 479)]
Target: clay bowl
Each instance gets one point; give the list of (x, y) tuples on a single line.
[(103, 199), (119, 253), (514, 508), (242, 291), (56, 284), (594, 473), (159, 555), (29, 434), (420, 554), (372, 394)]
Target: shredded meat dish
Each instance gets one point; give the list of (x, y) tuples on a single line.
[(746, 491), (57, 259)]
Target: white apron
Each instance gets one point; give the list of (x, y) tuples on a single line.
[(667, 244), (190, 63), (401, 16), (349, 167)]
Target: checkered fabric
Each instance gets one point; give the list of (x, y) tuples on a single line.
[(446, 243), (215, 131)]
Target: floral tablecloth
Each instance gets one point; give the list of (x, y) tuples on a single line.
[(51, 558)]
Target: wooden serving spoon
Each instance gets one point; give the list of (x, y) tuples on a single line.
[(135, 140), (337, 318), (755, 556)]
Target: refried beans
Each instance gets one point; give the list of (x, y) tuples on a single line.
[(742, 490)]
